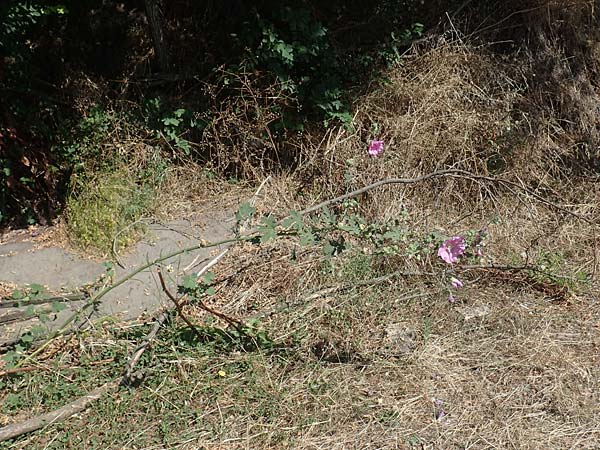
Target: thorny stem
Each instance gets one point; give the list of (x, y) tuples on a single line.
[(456, 173), (177, 305)]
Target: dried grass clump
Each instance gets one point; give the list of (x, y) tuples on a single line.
[(565, 65), (448, 107), (529, 117), (241, 137)]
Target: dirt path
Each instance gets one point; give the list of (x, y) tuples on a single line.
[(22, 263)]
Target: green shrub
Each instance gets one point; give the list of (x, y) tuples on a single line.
[(108, 207)]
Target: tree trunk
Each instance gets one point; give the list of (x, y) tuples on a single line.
[(155, 21)]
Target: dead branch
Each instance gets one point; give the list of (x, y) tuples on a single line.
[(137, 354), (58, 415), (456, 173), (178, 305), (9, 303)]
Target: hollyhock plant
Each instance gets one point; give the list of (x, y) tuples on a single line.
[(452, 248), (375, 148)]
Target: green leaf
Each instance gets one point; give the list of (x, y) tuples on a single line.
[(17, 295), (294, 220), (208, 277), (182, 144), (307, 239), (267, 229), (189, 282), (245, 211), (10, 358), (109, 268), (393, 235), (58, 307), (328, 216), (267, 234), (43, 317), (36, 289), (37, 330), (171, 121)]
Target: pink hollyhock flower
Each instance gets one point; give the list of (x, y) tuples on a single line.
[(451, 298), (452, 248), (456, 283), (375, 148)]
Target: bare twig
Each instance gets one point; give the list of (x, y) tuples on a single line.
[(456, 173), (9, 303), (230, 320), (19, 316), (116, 237), (139, 351), (213, 262), (178, 306), (34, 368)]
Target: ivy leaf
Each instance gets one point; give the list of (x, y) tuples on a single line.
[(245, 211)]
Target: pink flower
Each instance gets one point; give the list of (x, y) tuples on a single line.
[(375, 148), (479, 252), (452, 248), (456, 283), (451, 298)]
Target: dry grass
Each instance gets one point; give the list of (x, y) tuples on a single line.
[(511, 368)]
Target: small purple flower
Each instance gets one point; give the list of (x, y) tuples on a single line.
[(451, 299), (479, 252), (375, 148), (452, 248), (456, 283)]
